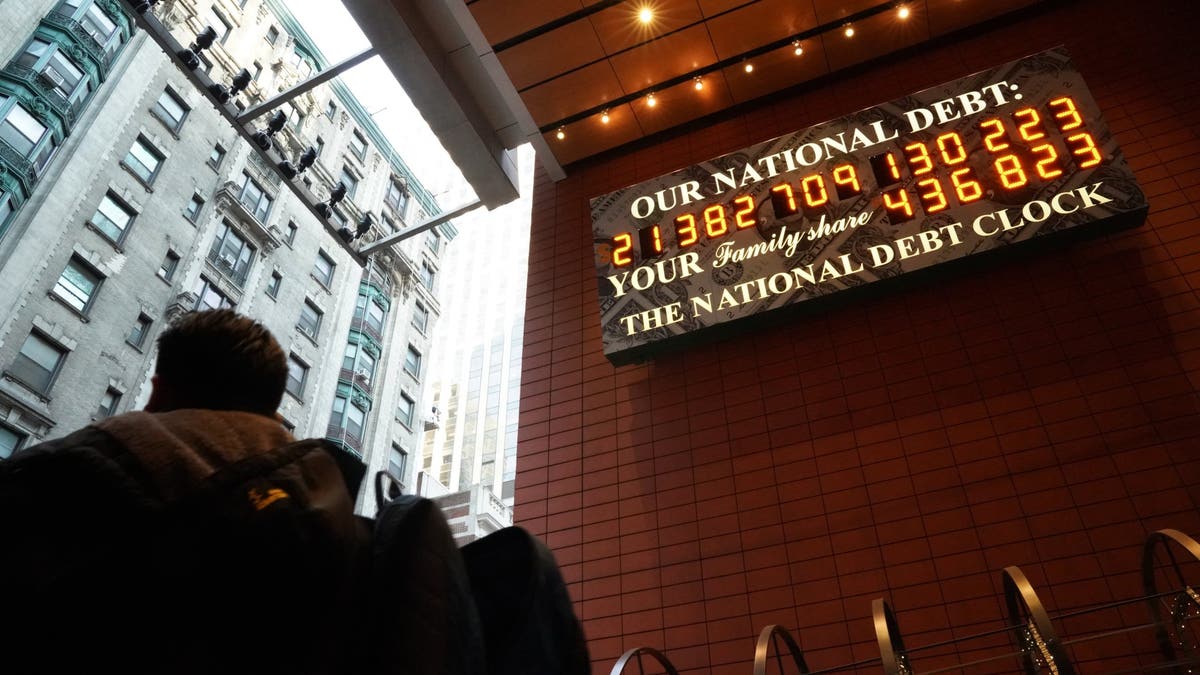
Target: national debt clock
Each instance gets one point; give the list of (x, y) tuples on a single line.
[(1007, 156)]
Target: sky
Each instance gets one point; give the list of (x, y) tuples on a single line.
[(338, 37)]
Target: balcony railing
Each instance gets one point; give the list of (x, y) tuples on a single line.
[(90, 43), (29, 77), (338, 433), (21, 167), (359, 380)]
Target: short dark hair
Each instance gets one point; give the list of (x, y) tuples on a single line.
[(220, 360)]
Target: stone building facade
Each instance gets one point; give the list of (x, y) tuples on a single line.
[(126, 199)]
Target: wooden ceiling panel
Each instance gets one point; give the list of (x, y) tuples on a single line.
[(619, 28), (714, 7), (683, 103), (950, 15), (551, 54), (754, 25), (590, 136), (663, 59), (777, 70), (502, 19), (569, 94), (878, 35), (829, 11)]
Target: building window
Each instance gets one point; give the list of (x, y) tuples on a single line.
[(38, 362), (360, 362), (310, 319), (77, 285), (112, 218), (389, 224), (396, 197), (208, 296), (274, 283), (55, 69), (330, 109), (220, 24), (195, 205), (291, 233), (370, 312), (323, 269), (216, 156), (434, 241), (406, 411), (297, 377), (350, 181), (420, 317), (254, 198), (320, 146), (412, 362), (398, 462), (141, 328), (231, 253), (427, 274), (272, 35), (358, 145), (166, 271), (143, 160), (24, 133), (349, 417), (171, 110), (94, 21), (108, 403), (256, 71), (10, 441)]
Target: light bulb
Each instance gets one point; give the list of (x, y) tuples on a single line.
[(560, 134), (604, 117), (849, 31), (749, 67), (797, 49), (651, 101), (699, 83), (645, 15), (904, 11)]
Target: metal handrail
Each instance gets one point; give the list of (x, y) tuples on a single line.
[(636, 653), (1185, 596), (1035, 636), (891, 644), (766, 638)]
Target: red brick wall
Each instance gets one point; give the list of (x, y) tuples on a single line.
[(1042, 412)]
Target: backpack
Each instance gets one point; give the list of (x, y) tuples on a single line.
[(498, 605)]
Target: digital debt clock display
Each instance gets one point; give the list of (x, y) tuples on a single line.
[(1002, 157)]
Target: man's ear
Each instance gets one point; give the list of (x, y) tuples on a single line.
[(158, 395)]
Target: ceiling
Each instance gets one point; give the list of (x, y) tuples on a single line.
[(491, 75), (569, 61)]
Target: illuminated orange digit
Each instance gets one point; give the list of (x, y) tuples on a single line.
[(893, 168), (922, 157), (1031, 129), (1047, 166), (790, 199), (744, 217), (1066, 114), (685, 230), (898, 201), (821, 195), (714, 221), (622, 244), (994, 141), (951, 147), (935, 199), (1083, 145), (656, 233), (846, 176), (1012, 174), (968, 190)]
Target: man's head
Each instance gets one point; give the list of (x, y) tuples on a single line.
[(218, 360)]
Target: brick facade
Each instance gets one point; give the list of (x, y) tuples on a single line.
[(1040, 412)]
